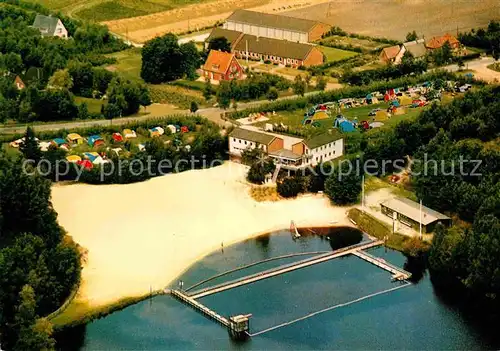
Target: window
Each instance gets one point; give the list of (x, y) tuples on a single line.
[(239, 141), (234, 139), (245, 142)]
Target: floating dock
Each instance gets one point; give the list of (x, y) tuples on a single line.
[(283, 269)]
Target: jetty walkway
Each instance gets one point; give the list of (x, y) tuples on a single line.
[(283, 269)]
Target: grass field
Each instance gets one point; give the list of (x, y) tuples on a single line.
[(333, 54), (93, 105), (294, 118), (364, 44), (129, 63)]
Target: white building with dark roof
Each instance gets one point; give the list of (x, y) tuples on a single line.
[(275, 26)]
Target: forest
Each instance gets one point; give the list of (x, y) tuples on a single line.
[(456, 169), (56, 70), (39, 265)]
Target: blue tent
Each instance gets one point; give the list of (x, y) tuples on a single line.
[(59, 141), (346, 126), (93, 139)]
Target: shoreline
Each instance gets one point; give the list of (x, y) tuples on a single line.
[(144, 242), (106, 310)]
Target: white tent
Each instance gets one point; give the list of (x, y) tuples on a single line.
[(172, 128)]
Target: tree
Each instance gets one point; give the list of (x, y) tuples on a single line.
[(13, 63), (299, 85), (219, 43), (82, 76), (191, 60), (224, 95), (291, 186), (194, 107), (161, 60), (29, 147), (411, 36), (111, 111), (33, 334), (320, 83), (259, 169), (208, 91), (272, 94), (61, 79), (460, 63), (343, 186)]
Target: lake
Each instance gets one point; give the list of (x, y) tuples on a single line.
[(412, 317)]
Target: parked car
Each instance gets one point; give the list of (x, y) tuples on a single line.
[(374, 112)]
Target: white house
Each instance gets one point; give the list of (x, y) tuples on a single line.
[(50, 26), (291, 152)]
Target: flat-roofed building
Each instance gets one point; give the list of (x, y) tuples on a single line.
[(409, 213), (276, 26)]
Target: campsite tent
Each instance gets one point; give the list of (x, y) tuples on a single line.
[(73, 158), (75, 138), (184, 129), (381, 116), (18, 142), (95, 140), (85, 163), (172, 128), (344, 125), (58, 141), (44, 145), (128, 134), (405, 100), (376, 124), (91, 156), (117, 137), (156, 131)]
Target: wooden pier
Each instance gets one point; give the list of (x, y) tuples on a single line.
[(283, 269), (200, 307), (397, 273)]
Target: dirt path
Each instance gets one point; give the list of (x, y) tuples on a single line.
[(191, 17)]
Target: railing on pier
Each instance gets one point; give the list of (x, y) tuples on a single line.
[(282, 269), (398, 273), (200, 307)]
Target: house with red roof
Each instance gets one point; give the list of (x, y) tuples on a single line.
[(438, 42), (222, 65), (392, 54)]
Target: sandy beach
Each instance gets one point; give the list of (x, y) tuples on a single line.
[(141, 236)]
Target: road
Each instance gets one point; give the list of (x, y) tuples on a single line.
[(480, 69), (155, 111)]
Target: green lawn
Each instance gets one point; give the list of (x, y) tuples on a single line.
[(295, 118), (129, 63), (333, 54), (93, 105)]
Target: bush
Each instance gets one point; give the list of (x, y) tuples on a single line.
[(291, 186), (267, 61)]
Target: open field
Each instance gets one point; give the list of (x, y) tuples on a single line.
[(93, 105), (393, 19), (333, 54), (196, 16), (129, 63)]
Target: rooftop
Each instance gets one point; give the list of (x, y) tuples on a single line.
[(272, 21), (275, 47), (218, 61), (416, 48), (288, 141), (285, 153), (250, 135), (322, 139), (232, 36), (437, 42), (46, 24), (411, 209), (392, 51)]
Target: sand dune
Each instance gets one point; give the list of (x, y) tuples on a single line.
[(146, 234)]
